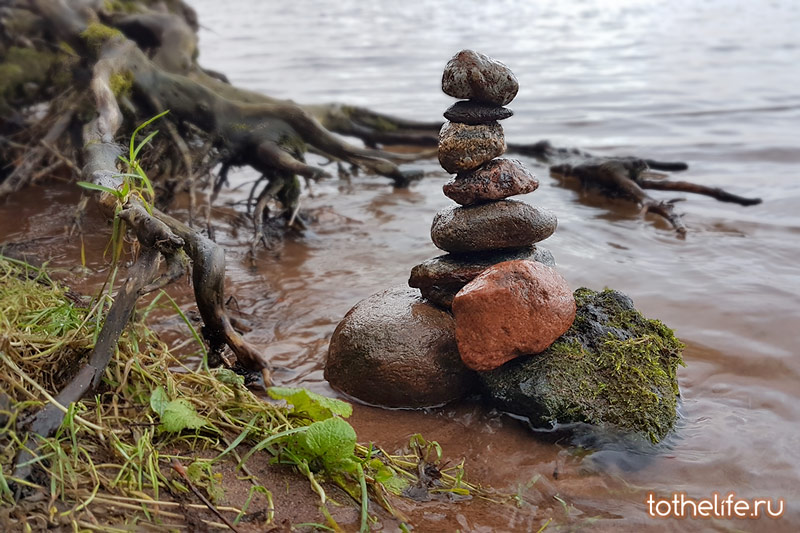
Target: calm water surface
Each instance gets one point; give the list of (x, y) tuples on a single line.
[(714, 84)]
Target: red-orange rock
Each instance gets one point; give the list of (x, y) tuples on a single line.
[(513, 308)]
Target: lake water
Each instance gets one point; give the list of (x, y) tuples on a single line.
[(715, 84)]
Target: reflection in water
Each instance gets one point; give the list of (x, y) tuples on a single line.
[(713, 84)]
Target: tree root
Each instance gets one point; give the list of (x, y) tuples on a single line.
[(628, 177), (158, 235), (685, 186)]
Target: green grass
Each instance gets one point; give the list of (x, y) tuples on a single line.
[(109, 466)]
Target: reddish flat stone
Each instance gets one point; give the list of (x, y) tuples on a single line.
[(513, 308), (497, 179)]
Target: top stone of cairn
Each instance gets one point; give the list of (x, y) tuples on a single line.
[(475, 76)]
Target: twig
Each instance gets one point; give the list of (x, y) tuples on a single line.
[(685, 186), (178, 467)]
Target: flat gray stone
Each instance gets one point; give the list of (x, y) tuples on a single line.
[(491, 226), (471, 112), (440, 278)]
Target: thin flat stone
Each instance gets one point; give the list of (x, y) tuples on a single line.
[(439, 279), (474, 76), (495, 180), (465, 147), (471, 112), (491, 226)]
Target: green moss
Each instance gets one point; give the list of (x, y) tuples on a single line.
[(613, 367), (121, 83), (96, 34), (66, 48), (382, 124), (20, 67), (292, 143), (125, 6)]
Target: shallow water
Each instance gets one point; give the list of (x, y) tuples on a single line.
[(713, 84)]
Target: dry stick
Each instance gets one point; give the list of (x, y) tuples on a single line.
[(626, 177), (178, 467), (685, 186), (23, 173), (666, 210), (67, 161), (47, 170), (208, 259)]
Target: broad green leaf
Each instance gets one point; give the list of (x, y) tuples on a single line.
[(310, 404), (395, 484), (196, 472), (332, 442), (159, 400), (386, 476), (179, 415)]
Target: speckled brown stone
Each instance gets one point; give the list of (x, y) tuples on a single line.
[(471, 112), (495, 180), (512, 309), (465, 147), (475, 76), (491, 226)]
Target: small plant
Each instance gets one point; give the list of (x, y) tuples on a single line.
[(135, 183)]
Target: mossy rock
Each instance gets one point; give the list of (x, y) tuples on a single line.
[(613, 367), (96, 35)]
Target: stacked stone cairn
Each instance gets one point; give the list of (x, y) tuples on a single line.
[(492, 298), (506, 298)]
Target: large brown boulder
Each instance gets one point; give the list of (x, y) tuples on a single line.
[(393, 349), (513, 308)]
